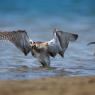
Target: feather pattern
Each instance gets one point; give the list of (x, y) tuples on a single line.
[(19, 38), (60, 42)]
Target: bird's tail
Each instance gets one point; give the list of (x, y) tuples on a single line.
[(91, 43)]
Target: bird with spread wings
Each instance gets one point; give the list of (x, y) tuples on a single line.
[(40, 50)]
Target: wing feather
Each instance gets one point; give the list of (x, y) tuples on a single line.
[(91, 43), (19, 38), (60, 42), (65, 38)]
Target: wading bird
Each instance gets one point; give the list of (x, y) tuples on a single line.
[(41, 50)]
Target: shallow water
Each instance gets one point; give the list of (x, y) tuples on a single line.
[(39, 18)]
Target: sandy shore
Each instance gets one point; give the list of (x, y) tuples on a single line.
[(49, 86)]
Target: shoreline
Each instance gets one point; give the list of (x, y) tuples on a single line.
[(49, 86)]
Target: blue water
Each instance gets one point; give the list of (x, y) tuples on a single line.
[(39, 18)]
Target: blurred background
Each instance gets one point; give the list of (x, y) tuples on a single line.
[(39, 18)]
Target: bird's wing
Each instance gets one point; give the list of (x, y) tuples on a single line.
[(60, 42), (65, 37), (91, 43), (19, 38)]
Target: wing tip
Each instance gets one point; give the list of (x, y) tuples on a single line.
[(26, 51), (75, 36), (90, 43)]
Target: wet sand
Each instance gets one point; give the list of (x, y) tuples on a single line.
[(49, 86)]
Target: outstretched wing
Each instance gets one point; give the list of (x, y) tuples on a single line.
[(19, 38), (60, 42), (65, 37), (91, 43)]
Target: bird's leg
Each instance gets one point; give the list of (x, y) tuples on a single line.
[(45, 65)]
